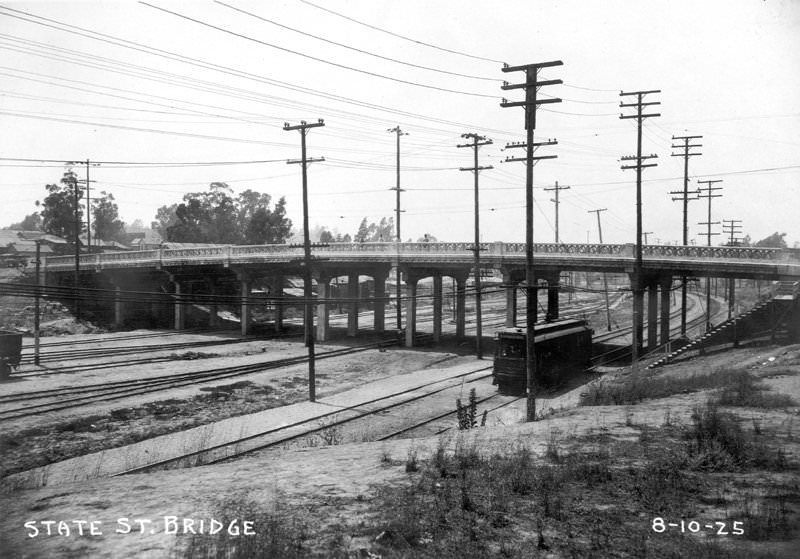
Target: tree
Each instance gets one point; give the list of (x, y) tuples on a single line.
[(165, 218), (31, 222), (106, 223), (326, 236), (375, 232), (59, 207), (216, 216), (776, 240)]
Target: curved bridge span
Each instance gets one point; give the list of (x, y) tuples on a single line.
[(167, 283), (740, 262)]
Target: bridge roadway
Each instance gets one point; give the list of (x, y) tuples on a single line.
[(203, 275)]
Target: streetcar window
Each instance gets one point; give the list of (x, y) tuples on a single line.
[(512, 348)]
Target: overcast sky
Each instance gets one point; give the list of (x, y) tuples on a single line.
[(130, 83)]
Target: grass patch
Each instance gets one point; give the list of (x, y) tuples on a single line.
[(716, 441), (278, 532), (739, 388), (746, 391)]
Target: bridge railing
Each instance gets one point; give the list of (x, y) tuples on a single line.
[(693, 251), (226, 254)]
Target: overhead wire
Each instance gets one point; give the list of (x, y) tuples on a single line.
[(316, 58), (376, 28), (355, 49)]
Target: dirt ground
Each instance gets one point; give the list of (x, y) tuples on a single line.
[(336, 488)]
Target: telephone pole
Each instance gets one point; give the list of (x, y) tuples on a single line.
[(556, 189), (308, 319), (398, 132), (685, 196), (708, 192), (477, 141), (531, 103), (645, 234), (733, 229), (638, 292), (605, 279)]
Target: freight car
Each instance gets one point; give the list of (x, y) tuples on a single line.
[(562, 347)]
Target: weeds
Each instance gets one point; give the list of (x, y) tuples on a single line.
[(638, 389), (277, 533), (716, 442), (467, 415)]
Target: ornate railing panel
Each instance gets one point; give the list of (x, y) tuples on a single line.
[(373, 251)]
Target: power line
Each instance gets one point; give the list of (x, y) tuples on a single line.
[(439, 70), (315, 58), (401, 36)]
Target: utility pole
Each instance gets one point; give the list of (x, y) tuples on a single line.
[(308, 319), (477, 141), (645, 234), (605, 278), (638, 292), (398, 132), (37, 307), (685, 196), (531, 103), (77, 239), (708, 192), (557, 188), (733, 228)]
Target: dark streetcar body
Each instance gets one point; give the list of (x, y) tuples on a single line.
[(10, 352), (563, 347)]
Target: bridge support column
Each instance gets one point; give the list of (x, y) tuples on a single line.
[(379, 305), (437, 308), (244, 314), (552, 298), (731, 296), (323, 307), (461, 307), (411, 310), (179, 307), (119, 307), (666, 285), (511, 300), (352, 313), (652, 315), (637, 289), (213, 307), (277, 294)]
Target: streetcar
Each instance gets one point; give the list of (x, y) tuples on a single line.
[(562, 347)]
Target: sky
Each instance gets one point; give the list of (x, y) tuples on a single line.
[(171, 96)]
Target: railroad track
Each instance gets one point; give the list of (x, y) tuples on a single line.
[(84, 395), (274, 437)]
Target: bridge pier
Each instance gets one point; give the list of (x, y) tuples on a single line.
[(277, 294), (652, 315), (552, 297), (437, 307), (666, 285), (379, 306), (511, 299), (245, 312), (461, 306), (178, 306), (411, 309), (323, 307), (637, 289), (352, 312)]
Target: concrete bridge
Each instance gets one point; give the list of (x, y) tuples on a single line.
[(211, 273)]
